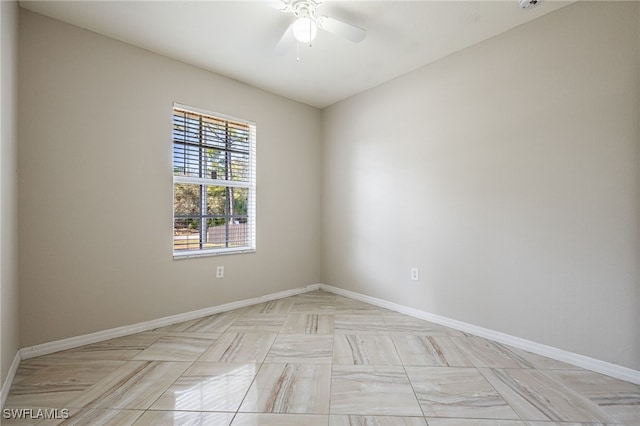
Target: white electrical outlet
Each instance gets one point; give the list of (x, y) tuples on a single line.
[(220, 272), (415, 274)]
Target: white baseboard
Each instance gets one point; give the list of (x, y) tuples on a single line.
[(11, 374), (578, 360), (99, 336), (613, 370)]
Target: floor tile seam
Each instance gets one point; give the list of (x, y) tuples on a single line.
[(333, 364), (506, 419), (534, 368), (142, 410), (206, 350), (552, 380), (237, 333), (331, 381), (463, 351), (469, 355), (391, 337), (150, 358), (140, 414), (479, 370), (255, 375), (127, 383), (483, 377), (505, 349), (561, 382), (31, 393), (172, 383), (548, 372), (22, 376), (57, 356), (149, 410), (554, 375), (406, 374), (186, 335), (186, 410)]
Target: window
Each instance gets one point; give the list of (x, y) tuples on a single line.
[(214, 188)]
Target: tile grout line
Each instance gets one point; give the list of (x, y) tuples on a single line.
[(474, 366), (405, 372)]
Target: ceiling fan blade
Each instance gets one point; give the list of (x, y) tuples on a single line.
[(342, 29), (286, 41)]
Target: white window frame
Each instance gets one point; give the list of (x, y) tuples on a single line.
[(250, 184)]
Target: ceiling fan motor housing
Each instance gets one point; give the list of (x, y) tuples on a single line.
[(303, 8)]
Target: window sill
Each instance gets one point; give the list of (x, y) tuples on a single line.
[(209, 253)]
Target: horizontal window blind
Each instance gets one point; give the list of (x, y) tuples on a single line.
[(214, 183)]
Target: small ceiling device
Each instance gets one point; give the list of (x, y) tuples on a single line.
[(528, 4), (306, 24)]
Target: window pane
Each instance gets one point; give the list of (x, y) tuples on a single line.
[(216, 200), (240, 203), (214, 163), (225, 219), (228, 233), (227, 216), (239, 169), (186, 160), (210, 148), (217, 204), (186, 233), (186, 199)]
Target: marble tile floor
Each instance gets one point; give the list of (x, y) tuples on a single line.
[(314, 359)]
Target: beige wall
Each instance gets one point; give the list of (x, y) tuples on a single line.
[(509, 174), (96, 186), (8, 186)]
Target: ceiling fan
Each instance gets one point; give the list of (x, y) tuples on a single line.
[(307, 22)]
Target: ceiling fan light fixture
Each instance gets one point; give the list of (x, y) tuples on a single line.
[(304, 29)]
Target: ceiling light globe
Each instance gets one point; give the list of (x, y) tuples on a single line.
[(304, 30)]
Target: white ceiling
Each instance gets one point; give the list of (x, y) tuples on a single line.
[(236, 38)]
